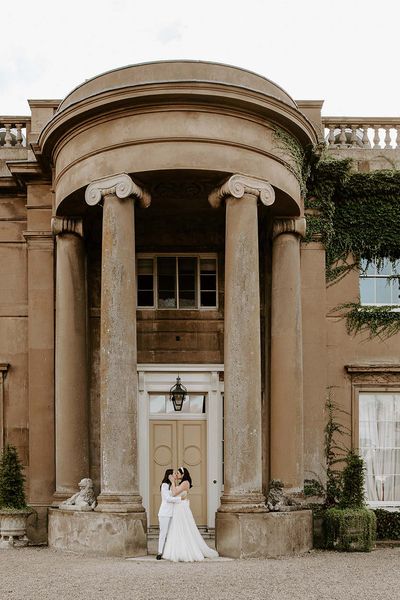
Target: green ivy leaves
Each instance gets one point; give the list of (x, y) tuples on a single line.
[(356, 215)]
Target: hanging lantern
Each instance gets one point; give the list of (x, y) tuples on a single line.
[(177, 394)]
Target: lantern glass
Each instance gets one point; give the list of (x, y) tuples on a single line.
[(177, 395)]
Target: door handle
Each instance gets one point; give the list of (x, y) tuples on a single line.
[(214, 481)]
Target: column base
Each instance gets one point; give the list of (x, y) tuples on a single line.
[(98, 533), (119, 503), (267, 535), (243, 503)]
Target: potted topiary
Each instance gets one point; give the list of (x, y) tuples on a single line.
[(13, 508), (351, 526)]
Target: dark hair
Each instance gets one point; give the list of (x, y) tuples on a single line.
[(167, 473), (185, 476)]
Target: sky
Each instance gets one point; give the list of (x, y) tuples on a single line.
[(345, 52)]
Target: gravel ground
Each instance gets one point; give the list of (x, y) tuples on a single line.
[(44, 574)]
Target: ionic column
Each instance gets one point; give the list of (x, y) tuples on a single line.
[(286, 355), (243, 436), (71, 376), (118, 353)]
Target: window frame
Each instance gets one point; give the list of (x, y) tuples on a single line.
[(371, 388), (198, 256), (390, 284), (172, 415)]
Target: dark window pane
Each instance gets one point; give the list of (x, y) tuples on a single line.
[(208, 282), (208, 299), (187, 267), (166, 282), (145, 282), (145, 279), (166, 267), (145, 298), (187, 282)]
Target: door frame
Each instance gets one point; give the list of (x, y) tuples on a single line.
[(153, 378)]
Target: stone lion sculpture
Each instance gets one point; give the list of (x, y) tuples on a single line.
[(85, 499), (277, 500)]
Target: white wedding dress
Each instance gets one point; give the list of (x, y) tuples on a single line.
[(184, 542)]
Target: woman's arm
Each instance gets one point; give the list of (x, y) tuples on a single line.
[(177, 489), (166, 494)]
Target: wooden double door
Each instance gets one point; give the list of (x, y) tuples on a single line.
[(176, 443)]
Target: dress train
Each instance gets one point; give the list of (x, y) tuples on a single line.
[(184, 542)]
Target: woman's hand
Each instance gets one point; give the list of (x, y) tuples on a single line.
[(171, 478)]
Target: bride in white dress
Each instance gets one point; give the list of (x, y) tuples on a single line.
[(184, 542)]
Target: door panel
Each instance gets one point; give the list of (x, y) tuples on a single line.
[(174, 444), (162, 456), (192, 455)]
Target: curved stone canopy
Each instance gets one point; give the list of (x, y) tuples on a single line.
[(175, 70), (172, 116)]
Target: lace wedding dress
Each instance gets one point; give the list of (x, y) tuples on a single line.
[(184, 542)]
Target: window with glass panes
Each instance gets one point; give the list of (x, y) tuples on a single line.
[(378, 283), (379, 445), (177, 282), (194, 404)]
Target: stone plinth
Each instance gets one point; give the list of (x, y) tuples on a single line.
[(263, 535), (97, 533)]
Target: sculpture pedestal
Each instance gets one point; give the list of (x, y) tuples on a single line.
[(98, 533), (263, 535)]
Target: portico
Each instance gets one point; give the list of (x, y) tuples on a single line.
[(137, 130)]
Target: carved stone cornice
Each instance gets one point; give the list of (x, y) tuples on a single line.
[(296, 226), (373, 368), (374, 374), (61, 225), (39, 240), (239, 185), (120, 185)]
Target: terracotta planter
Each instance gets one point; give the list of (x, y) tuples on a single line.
[(13, 528)]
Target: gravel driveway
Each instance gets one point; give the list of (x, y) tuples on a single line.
[(44, 574)]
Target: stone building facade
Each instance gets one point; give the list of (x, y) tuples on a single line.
[(151, 227)]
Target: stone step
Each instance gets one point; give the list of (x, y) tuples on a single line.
[(206, 532)]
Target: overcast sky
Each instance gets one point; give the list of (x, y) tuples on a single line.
[(345, 52)]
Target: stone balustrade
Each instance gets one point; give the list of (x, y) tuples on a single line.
[(14, 131), (362, 132)]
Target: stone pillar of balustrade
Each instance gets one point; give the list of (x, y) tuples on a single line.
[(286, 356), (118, 352), (71, 373), (242, 349)]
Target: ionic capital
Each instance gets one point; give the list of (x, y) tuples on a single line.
[(295, 226), (239, 185), (61, 225), (120, 185)]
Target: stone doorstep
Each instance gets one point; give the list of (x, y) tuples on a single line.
[(206, 533), (151, 558), (152, 545)]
